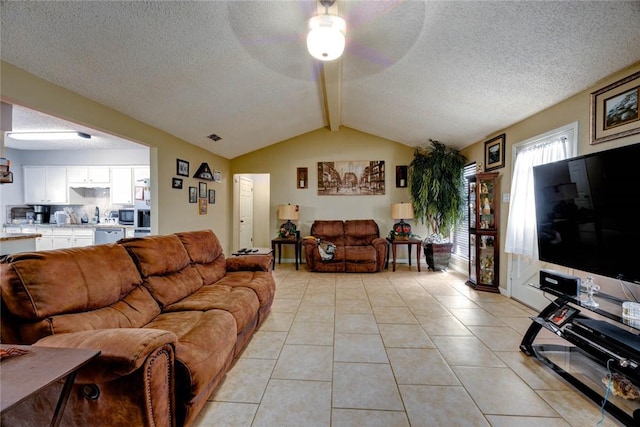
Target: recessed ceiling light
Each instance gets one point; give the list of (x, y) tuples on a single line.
[(47, 136)]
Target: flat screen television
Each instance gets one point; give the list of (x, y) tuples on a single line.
[(588, 213)]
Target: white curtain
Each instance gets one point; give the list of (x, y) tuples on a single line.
[(521, 226)]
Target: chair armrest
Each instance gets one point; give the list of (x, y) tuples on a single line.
[(250, 263), (123, 350)]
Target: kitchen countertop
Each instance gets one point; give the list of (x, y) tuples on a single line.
[(6, 237)]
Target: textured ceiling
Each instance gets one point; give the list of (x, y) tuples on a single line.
[(455, 71)]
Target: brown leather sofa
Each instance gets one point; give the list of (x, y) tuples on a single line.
[(168, 313), (359, 247)]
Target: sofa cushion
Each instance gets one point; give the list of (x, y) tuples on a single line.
[(205, 252), (241, 302), (330, 231), (205, 347), (32, 285), (134, 311), (261, 282), (360, 232), (360, 254), (165, 266)]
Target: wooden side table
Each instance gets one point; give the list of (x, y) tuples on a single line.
[(409, 243), (23, 376), (278, 241)]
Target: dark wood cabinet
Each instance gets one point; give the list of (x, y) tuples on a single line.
[(484, 238)]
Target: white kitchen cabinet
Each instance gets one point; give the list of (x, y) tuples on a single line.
[(62, 238), (82, 237), (88, 175), (12, 229), (45, 185), (44, 243), (121, 186)]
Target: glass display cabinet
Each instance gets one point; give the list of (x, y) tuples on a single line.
[(484, 236)]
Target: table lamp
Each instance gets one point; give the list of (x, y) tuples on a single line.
[(401, 230), (288, 212)]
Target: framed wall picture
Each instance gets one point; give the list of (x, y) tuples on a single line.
[(217, 176), (202, 206), (202, 192), (193, 195), (212, 197), (614, 110), (401, 176), (302, 178), (182, 167), (494, 153), (351, 178), (176, 183)]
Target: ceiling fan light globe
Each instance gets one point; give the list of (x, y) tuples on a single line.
[(326, 38)]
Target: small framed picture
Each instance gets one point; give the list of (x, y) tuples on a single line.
[(139, 190), (562, 315), (202, 192), (302, 180), (182, 167), (193, 195), (217, 176), (494, 153), (212, 197), (176, 183), (401, 176), (202, 206)]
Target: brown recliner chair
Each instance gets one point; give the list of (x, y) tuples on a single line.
[(359, 247)]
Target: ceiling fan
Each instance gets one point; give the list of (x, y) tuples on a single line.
[(380, 33)]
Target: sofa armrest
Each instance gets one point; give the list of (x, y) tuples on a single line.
[(310, 247), (382, 247), (379, 241), (250, 263), (123, 350)]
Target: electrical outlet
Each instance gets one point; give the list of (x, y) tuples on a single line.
[(506, 197)]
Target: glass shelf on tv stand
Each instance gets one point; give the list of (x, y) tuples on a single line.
[(580, 364)]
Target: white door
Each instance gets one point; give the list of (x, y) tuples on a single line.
[(246, 212)]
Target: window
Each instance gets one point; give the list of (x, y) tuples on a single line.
[(521, 227), (461, 233)]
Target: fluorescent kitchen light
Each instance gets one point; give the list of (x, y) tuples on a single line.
[(47, 136)]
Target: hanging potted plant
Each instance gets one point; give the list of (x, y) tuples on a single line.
[(437, 194)]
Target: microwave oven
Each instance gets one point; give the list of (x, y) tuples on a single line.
[(125, 216)]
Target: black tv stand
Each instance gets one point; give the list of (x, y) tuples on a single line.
[(582, 358)]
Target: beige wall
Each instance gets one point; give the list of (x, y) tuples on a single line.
[(171, 210), (282, 160), (576, 108)]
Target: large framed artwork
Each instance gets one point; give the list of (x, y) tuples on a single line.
[(351, 178), (614, 110)]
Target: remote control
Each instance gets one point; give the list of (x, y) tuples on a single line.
[(243, 250), (254, 250)]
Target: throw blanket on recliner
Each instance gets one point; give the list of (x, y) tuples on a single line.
[(327, 250)]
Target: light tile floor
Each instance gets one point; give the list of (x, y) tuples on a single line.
[(392, 349)]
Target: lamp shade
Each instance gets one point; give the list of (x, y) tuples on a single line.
[(288, 212), (402, 211), (326, 38)]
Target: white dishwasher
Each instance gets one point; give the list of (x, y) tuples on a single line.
[(108, 235)]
